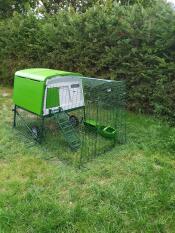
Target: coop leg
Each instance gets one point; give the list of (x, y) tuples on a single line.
[(42, 128), (84, 113), (14, 116)]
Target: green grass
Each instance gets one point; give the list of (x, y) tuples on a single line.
[(130, 189)]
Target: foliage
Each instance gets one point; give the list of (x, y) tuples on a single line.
[(8, 7), (110, 41), (53, 6), (140, 2)]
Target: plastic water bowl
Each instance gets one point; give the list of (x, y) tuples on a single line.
[(107, 131)]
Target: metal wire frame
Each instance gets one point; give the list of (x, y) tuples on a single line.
[(105, 103)]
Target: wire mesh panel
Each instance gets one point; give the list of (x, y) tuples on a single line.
[(104, 125), (56, 143), (47, 134), (27, 123)]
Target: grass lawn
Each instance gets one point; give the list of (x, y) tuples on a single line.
[(130, 189)]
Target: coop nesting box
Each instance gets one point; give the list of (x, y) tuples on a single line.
[(42, 91)]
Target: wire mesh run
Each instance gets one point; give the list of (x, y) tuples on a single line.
[(81, 123)]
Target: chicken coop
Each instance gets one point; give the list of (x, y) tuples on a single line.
[(71, 116)]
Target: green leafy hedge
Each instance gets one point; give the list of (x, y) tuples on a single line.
[(131, 43)]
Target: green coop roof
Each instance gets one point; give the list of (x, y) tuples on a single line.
[(42, 74)]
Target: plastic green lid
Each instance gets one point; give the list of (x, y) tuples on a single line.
[(42, 74)]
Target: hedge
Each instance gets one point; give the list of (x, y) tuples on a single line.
[(129, 43)]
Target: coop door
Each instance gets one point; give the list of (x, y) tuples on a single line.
[(71, 96), (76, 94), (65, 100)]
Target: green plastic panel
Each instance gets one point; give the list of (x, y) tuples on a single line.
[(29, 94), (52, 97)]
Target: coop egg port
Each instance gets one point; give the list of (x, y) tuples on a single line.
[(53, 93)]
